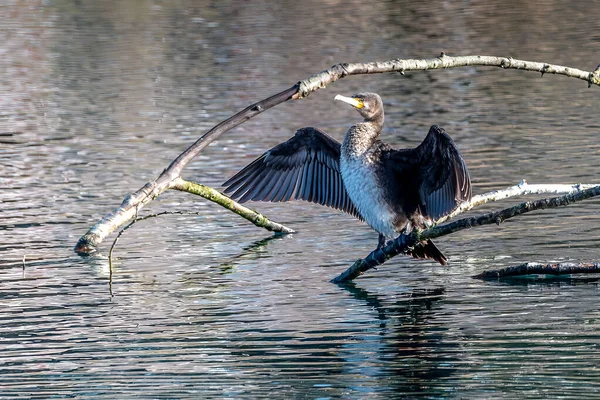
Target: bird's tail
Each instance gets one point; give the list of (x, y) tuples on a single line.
[(427, 249)]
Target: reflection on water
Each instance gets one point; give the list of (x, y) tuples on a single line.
[(98, 97)]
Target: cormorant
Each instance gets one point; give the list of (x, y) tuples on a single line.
[(392, 190)]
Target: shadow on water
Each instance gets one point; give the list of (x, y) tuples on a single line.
[(545, 280), (253, 251), (402, 351), (415, 351), (415, 301)]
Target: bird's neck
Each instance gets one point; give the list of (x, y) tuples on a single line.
[(361, 137)]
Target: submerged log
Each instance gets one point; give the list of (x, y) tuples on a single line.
[(541, 269)]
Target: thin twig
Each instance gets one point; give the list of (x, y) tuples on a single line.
[(138, 219), (405, 242), (129, 225)]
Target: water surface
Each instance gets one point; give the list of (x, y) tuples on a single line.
[(96, 98)]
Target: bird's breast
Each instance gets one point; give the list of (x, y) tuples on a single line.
[(360, 179)]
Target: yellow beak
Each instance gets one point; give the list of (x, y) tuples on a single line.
[(353, 101)]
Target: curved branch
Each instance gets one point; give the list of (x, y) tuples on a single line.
[(136, 219), (402, 243), (135, 201), (339, 71)]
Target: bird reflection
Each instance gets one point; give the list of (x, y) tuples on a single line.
[(413, 348)]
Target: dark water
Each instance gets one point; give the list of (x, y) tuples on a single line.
[(98, 97)]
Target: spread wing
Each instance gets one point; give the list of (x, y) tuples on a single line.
[(445, 180), (306, 167)]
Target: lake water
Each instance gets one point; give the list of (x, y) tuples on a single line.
[(96, 98)]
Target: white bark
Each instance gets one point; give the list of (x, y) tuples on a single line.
[(521, 189)]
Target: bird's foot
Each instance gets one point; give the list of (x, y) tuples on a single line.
[(381, 242), (384, 243)]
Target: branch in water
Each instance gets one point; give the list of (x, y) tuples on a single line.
[(541, 269), (135, 201), (213, 195), (403, 243)]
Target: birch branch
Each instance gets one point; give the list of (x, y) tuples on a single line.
[(405, 242), (342, 70), (166, 180), (520, 189)]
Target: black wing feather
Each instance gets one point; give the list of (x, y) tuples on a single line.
[(306, 167), (293, 185), (282, 185), (445, 180), (310, 178)]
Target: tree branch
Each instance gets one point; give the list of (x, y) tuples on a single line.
[(405, 242), (339, 71), (543, 269), (520, 189), (213, 195), (135, 201)]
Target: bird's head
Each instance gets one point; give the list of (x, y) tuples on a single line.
[(369, 105)]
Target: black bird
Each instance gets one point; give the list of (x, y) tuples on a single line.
[(392, 190)]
